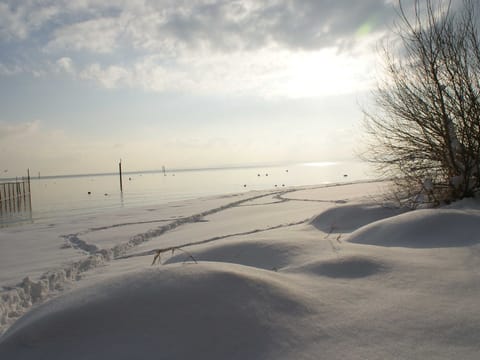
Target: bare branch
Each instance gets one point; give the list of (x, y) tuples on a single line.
[(425, 127)]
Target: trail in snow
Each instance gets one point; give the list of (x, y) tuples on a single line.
[(216, 238), (15, 301)]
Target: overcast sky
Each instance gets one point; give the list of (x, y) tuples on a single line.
[(183, 83)]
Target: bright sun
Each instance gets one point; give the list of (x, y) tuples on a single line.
[(327, 72)]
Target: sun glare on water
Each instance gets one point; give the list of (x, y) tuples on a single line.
[(320, 164)]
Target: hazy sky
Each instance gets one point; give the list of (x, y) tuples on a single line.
[(183, 83)]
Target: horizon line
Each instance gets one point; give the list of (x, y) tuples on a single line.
[(152, 171)]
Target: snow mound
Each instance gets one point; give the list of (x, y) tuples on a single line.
[(344, 219), (259, 254), (351, 267), (429, 228), (173, 312)]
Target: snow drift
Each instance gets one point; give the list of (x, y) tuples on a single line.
[(427, 228), (174, 312), (346, 218), (359, 281)]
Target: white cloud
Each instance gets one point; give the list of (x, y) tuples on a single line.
[(20, 20), (95, 35), (109, 77), (51, 151), (66, 64), (11, 23), (15, 131), (9, 70), (265, 48), (267, 72)]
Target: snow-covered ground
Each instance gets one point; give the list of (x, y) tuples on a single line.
[(327, 272)]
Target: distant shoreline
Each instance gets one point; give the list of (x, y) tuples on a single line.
[(172, 170)]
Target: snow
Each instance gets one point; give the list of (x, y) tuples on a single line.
[(425, 228), (324, 272)]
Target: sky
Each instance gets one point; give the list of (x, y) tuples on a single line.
[(184, 84)]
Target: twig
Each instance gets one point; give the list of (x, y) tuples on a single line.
[(157, 257)]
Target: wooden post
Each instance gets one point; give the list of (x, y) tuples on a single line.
[(4, 198), (120, 172), (10, 197), (24, 195), (29, 193), (18, 194), (28, 179)]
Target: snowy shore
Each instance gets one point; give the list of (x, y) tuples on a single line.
[(327, 272)]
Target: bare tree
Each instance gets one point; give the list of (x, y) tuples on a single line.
[(424, 128)]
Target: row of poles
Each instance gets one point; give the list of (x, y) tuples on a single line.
[(15, 196)]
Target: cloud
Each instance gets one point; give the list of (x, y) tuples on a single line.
[(101, 26), (95, 35), (9, 70), (266, 72), (66, 64), (19, 19), (197, 46), (110, 77), (14, 131), (52, 151), (233, 25)]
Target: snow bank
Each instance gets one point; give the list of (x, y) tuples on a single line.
[(260, 254), (346, 218), (428, 228), (348, 267), (175, 312), (267, 285), (17, 299)]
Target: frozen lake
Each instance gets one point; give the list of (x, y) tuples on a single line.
[(54, 197)]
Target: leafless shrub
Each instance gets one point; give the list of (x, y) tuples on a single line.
[(424, 128)]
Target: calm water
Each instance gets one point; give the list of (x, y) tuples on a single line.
[(93, 194)]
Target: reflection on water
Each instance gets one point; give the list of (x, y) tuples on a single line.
[(92, 194)]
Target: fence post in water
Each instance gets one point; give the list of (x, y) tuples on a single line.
[(18, 195), (29, 193), (15, 202), (120, 172), (10, 196)]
